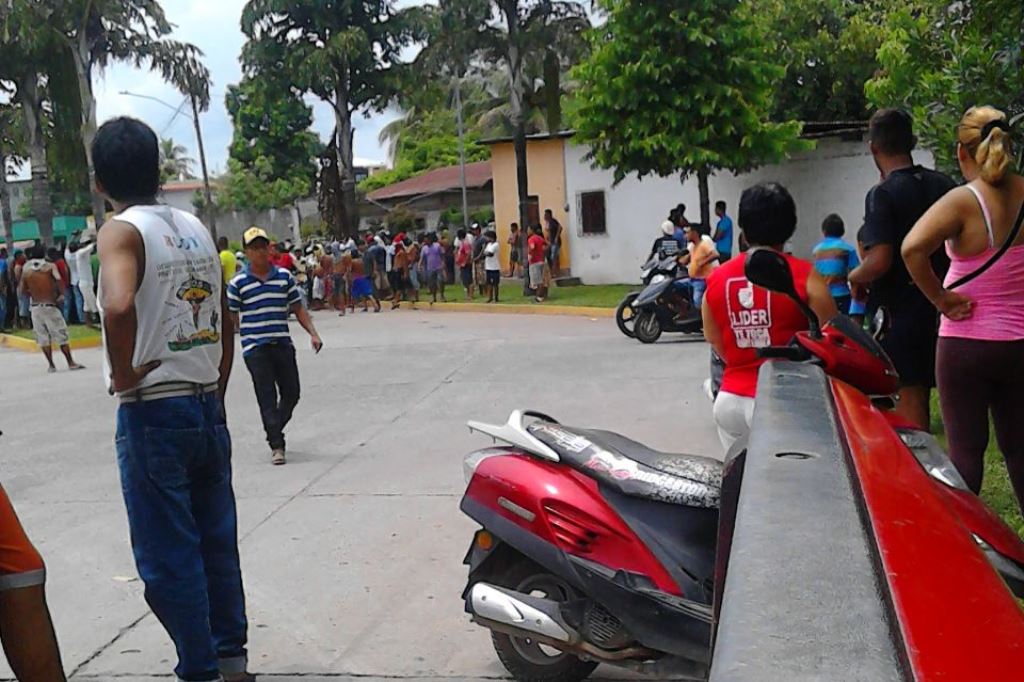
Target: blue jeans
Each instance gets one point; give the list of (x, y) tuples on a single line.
[(699, 287), (73, 303), (175, 461)]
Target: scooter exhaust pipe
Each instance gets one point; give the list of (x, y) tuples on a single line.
[(521, 612)]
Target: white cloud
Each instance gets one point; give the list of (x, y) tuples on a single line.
[(214, 28)]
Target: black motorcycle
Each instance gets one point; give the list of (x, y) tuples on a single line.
[(666, 306), (659, 267)]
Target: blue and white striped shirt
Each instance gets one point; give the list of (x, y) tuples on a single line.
[(263, 307)]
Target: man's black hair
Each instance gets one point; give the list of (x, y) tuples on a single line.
[(36, 251), (833, 226), (538, 229), (126, 156), (491, 234), (515, 226), (52, 254), (720, 204), (767, 214), (222, 242), (461, 233), (3, 252), (892, 132), (547, 211)]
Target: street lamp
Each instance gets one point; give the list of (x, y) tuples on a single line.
[(202, 152)]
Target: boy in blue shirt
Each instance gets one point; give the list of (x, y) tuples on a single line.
[(834, 258), (723, 233)]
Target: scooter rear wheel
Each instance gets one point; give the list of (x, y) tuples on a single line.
[(625, 314), (526, 659), (647, 328)]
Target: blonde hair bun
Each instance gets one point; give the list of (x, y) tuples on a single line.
[(986, 135)]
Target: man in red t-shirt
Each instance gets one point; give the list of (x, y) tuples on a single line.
[(536, 246), (740, 318)]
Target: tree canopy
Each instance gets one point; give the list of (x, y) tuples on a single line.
[(670, 91), (939, 58)]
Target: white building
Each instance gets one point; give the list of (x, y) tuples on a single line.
[(609, 228)]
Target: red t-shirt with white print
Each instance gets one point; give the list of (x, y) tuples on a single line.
[(749, 318)]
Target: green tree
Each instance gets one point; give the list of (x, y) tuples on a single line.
[(256, 187), (272, 123), (347, 53), (98, 32), (12, 155), (827, 48), (939, 58), (687, 90), (174, 161)]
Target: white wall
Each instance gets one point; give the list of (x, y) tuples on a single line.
[(833, 178)]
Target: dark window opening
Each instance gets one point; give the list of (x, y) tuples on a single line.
[(592, 213)]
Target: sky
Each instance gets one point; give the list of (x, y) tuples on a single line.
[(213, 26)]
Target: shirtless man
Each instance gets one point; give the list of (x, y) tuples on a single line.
[(41, 281), (342, 273)]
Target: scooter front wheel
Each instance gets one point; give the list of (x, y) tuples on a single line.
[(625, 314), (647, 328), (526, 659)]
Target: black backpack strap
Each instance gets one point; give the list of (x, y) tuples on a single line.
[(1012, 237)]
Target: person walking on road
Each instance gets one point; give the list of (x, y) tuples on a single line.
[(980, 356), (891, 209), (169, 351), (259, 301), (41, 282)]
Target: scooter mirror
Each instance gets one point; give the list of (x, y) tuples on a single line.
[(769, 269)]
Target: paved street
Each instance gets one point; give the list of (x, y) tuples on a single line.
[(352, 552)]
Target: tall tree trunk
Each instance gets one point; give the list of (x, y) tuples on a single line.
[(705, 198), (346, 171), (553, 91), (514, 60), (83, 72), (42, 205), (462, 152), (6, 220), (211, 208)]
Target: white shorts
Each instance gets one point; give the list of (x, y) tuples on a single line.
[(49, 326), (88, 298), (733, 415)]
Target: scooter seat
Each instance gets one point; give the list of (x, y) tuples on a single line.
[(633, 468)]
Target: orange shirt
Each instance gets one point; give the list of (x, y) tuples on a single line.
[(698, 255)]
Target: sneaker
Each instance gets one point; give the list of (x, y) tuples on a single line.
[(277, 457)]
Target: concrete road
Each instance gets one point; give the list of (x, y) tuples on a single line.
[(352, 552)]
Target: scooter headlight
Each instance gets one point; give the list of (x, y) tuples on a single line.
[(474, 459), (932, 456), (658, 279)]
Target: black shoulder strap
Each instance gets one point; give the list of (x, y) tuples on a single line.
[(1012, 237)]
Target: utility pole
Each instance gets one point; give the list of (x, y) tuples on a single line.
[(462, 152), (210, 208)]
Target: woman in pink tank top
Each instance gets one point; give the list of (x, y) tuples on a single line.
[(980, 355)]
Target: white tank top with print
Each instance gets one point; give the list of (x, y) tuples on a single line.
[(178, 304)]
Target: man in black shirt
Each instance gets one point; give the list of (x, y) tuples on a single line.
[(892, 208)]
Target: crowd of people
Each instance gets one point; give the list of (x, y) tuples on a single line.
[(939, 265)]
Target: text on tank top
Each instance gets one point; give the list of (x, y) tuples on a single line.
[(750, 318), (178, 304)]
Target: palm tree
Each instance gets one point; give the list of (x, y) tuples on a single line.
[(174, 164)]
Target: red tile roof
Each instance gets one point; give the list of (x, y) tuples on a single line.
[(438, 180), (185, 185)]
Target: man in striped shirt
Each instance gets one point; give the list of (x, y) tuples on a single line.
[(259, 299)]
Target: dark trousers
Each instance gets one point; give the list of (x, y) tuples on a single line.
[(978, 378), (275, 376), (175, 461)]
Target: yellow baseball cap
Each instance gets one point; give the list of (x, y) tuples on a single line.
[(254, 233)]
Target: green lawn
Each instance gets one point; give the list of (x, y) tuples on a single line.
[(599, 296), (77, 331), (996, 490)]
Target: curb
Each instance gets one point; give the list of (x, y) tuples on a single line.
[(517, 309), (30, 346)]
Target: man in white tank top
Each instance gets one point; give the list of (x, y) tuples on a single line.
[(169, 350)]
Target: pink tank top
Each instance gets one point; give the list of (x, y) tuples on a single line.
[(998, 293)]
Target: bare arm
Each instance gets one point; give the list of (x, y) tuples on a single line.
[(820, 298), (877, 261), (711, 331), (121, 252), (302, 315), (941, 222), (21, 284), (228, 324)]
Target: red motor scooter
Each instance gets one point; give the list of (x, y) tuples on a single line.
[(596, 549)]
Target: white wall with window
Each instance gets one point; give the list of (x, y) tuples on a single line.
[(832, 178)]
